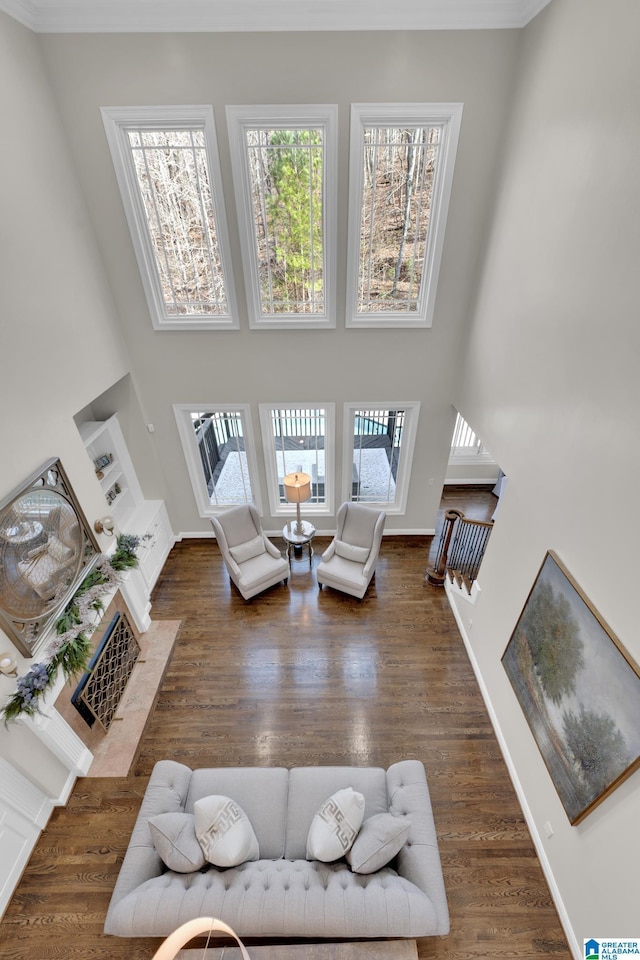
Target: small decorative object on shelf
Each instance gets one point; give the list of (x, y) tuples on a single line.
[(103, 461)]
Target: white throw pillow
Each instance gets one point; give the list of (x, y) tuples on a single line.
[(335, 826), (350, 552), (174, 837), (379, 840), (58, 550), (224, 832), (248, 550)]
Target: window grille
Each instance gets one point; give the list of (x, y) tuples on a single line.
[(219, 451), (221, 445), (378, 453), (398, 173), (377, 440), (284, 166), (173, 179), (401, 171), (286, 178), (299, 445), (167, 166)]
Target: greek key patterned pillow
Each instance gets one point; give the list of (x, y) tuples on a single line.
[(224, 831), (335, 826)]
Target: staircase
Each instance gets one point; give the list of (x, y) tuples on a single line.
[(462, 545)]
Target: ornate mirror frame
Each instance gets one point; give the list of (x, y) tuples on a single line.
[(47, 548)]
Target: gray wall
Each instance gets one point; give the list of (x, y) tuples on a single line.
[(551, 376), (87, 72), (60, 339)]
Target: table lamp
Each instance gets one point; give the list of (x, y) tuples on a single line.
[(297, 489)]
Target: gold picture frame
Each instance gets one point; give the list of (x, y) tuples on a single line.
[(578, 688)]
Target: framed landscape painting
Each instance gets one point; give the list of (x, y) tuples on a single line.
[(578, 688)]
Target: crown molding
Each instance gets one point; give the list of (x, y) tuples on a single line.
[(201, 16), (21, 10)]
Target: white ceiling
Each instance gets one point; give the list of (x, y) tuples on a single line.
[(126, 16)]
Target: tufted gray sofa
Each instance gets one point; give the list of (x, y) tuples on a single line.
[(282, 894)]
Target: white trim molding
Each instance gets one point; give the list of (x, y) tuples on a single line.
[(182, 412), (445, 118), (324, 117), (220, 16), (277, 508), (118, 122), (24, 812), (411, 410)]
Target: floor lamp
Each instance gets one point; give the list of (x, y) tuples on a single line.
[(297, 489)]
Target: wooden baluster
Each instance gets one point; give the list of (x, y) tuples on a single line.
[(436, 575)]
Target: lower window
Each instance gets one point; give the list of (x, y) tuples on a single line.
[(219, 451), (299, 440), (379, 442)]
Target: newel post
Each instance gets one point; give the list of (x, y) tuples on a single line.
[(436, 573)]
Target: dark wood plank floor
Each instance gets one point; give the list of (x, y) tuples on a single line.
[(298, 676)]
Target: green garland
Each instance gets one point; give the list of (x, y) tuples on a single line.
[(70, 650)]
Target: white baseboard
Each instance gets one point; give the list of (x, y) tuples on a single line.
[(466, 481), (574, 945), (389, 532), (24, 813)]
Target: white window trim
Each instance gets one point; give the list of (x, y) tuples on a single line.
[(405, 463), (117, 120), (287, 509), (182, 412), (465, 456), (449, 117), (317, 115)]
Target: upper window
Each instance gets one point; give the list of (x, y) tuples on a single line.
[(284, 165), (466, 445), (166, 162), (299, 440), (379, 442), (220, 454), (401, 170)]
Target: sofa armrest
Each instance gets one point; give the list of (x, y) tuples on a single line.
[(419, 859), (329, 552), (271, 547), (166, 791)]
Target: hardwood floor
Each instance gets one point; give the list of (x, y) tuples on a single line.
[(298, 676)]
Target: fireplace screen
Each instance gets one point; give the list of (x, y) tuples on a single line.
[(99, 692)]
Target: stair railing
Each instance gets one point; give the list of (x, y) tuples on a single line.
[(462, 545)]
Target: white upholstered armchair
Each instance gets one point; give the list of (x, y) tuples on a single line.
[(349, 562), (253, 562)]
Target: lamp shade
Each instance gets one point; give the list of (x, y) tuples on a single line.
[(297, 487)]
